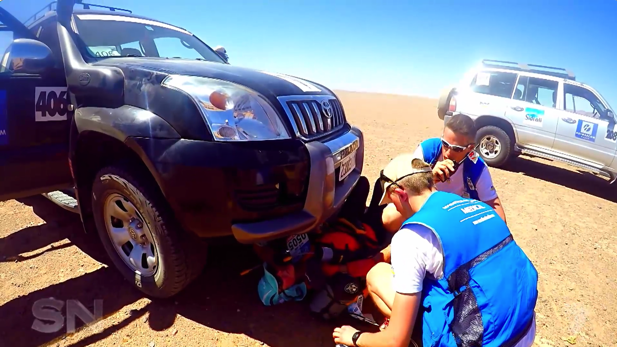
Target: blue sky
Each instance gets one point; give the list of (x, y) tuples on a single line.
[(406, 47)]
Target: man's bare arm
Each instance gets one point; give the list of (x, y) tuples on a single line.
[(391, 218), (404, 312), (496, 205)]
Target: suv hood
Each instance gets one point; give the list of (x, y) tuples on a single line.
[(266, 83)]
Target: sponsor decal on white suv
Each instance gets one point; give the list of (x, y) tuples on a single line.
[(586, 130), (533, 116)]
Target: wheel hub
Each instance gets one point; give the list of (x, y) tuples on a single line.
[(128, 237), (490, 146), (133, 234)]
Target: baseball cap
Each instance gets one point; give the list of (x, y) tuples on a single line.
[(397, 169)]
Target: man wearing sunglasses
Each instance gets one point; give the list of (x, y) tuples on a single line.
[(456, 278), (456, 168)]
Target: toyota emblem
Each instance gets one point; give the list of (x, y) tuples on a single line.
[(327, 108)]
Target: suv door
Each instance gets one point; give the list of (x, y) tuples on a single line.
[(34, 123), (585, 127), (532, 111)]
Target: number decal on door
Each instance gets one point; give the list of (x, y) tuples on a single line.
[(50, 104), (611, 135)]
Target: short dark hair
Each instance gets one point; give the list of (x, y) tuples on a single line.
[(462, 124)]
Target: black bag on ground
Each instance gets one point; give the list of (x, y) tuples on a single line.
[(340, 290)]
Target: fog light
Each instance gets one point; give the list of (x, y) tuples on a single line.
[(226, 131)]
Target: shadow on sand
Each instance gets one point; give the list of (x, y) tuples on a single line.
[(220, 298), (580, 180)]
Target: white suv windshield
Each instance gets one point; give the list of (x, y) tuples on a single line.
[(122, 36)]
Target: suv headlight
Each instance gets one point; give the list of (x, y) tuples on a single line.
[(233, 112)]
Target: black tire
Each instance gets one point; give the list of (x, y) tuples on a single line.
[(444, 101), (504, 154), (181, 256)]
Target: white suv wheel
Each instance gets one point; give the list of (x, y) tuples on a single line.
[(490, 147), (494, 145)]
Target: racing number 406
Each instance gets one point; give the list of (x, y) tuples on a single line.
[(50, 104)]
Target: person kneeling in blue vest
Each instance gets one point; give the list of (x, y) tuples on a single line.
[(456, 167), (457, 277)]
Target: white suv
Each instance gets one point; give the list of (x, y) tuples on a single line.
[(535, 110)]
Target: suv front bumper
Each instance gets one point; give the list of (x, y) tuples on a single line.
[(325, 195), (253, 191)]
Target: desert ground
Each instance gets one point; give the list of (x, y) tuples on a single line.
[(559, 215)]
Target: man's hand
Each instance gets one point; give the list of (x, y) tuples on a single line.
[(443, 170), (405, 309), (384, 255), (343, 335)]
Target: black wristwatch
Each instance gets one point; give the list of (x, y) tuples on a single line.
[(355, 337)]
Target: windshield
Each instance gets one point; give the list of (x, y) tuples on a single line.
[(121, 36)]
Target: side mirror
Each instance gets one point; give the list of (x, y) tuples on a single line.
[(29, 56), (222, 52)]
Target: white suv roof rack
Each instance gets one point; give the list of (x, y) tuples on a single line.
[(547, 70)]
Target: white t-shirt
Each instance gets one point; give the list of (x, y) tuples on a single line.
[(484, 186), (416, 253)]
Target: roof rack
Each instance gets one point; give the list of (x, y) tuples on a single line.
[(547, 70), (49, 7)]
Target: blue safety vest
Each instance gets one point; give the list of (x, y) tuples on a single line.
[(488, 291), (431, 150)]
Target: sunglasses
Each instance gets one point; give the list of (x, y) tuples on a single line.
[(455, 148), (383, 179)]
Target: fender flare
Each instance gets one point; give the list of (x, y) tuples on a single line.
[(500, 122), (123, 124)]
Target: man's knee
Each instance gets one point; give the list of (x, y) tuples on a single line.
[(376, 276)]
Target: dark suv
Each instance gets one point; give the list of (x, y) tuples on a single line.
[(160, 144)]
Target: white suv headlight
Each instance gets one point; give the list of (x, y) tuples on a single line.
[(233, 112)]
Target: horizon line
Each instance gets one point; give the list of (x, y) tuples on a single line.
[(384, 93)]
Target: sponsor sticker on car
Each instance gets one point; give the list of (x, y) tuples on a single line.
[(611, 134), (586, 130), (483, 79), (533, 117)]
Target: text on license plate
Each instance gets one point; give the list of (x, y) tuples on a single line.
[(295, 242), (347, 166)]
